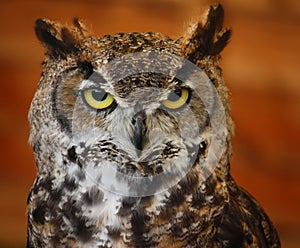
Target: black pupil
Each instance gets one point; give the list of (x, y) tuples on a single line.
[(99, 95), (175, 95)]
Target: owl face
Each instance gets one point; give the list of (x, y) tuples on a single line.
[(133, 110)]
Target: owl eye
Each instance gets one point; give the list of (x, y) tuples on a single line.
[(177, 99), (97, 98)]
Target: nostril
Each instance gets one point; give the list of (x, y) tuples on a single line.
[(139, 116)]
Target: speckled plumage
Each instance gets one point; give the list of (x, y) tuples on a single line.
[(66, 208)]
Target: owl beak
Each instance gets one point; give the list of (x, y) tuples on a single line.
[(138, 122)]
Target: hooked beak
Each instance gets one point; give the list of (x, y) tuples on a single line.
[(138, 122)]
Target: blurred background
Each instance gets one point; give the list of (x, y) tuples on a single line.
[(261, 67)]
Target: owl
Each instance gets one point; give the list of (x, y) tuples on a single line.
[(131, 134)]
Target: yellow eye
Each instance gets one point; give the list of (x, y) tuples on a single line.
[(176, 99), (98, 98)]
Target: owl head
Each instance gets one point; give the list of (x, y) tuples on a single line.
[(132, 112)]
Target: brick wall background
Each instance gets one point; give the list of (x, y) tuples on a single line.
[(261, 67)]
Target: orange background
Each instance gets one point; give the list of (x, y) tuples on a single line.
[(261, 67)]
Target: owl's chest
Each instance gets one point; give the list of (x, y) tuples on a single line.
[(89, 217), (71, 210)]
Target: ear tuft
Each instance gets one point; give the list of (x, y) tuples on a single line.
[(79, 27), (206, 37), (58, 40), (221, 42)]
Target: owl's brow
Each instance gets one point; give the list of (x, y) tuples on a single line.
[(97, 78)]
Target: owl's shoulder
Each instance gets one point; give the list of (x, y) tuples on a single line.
[(243, 222)]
